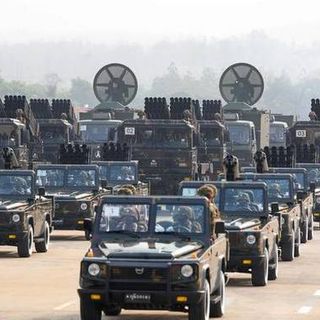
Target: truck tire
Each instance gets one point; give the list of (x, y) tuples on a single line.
[(259, 276), (112, 311), (273, 271), (304, 234), (287, 249), (297, 244), (43, 245), (201, 311), (217, 309), (89, 310), (25, 245)]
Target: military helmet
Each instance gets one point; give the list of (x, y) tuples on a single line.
[(128, 211), (131, 187), (244, 197), (208, 190), (125, 191), (275, 187), (184, 213)]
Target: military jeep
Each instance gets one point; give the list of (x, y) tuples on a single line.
[(25, 216), (154, 253), (76, 190), (253, 234)]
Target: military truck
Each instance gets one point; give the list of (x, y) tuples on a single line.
[(253, 233), (19, 130), (241, 86), (25, 213), (154, 253), (76, 189), (57, 125)]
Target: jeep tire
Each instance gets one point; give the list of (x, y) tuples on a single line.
[(274, 267), (297, 244), (260, 273), (310, 227), (43, 244), (201, 311), (287, 249), (89, 310), (304, 233), (217, 308), (25, 245)]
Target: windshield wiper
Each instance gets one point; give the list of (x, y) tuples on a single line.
[(126, 232)]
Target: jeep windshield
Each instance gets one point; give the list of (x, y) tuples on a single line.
[(192, 191), (15, 185), (118, 173), (124, 218), (179, 219), (314, 175), (278, 189), (50, 177), (243, 201)]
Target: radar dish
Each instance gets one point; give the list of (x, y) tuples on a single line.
[(115, 82), (241, 82)]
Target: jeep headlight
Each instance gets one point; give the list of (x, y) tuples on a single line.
[(83, 206), (186, 271), (16, 218), (93, 269), (251, 239)]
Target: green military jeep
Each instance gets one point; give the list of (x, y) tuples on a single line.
[(154, 253), (76, 189), (25, 216), (253, 234)]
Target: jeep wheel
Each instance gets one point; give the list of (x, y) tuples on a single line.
[(287, 249), (112, 311), (89, 310), (274, 268), (260, 273), (43, 245), (304, 234), (310, 227), (87, 235), (217, 308), (297, 244), (201, 310), (25, 245)]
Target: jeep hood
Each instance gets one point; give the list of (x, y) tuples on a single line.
[(243, 223), (149, 249), (67, 195), (12, 204)]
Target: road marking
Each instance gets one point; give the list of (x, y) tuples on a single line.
[(65, 305), (317, 293), (304, 310)]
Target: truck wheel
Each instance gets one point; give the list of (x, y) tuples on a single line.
[(112, 311), (310, 231), (287, 249), (273, 271), (304, 234), (25, 245), (260, 273), (297, 245), (89, 310), (217, 309), (201, 310), (43, 245)]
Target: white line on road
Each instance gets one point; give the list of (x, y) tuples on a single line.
[(304, 310), (65, 305), (317, 293)]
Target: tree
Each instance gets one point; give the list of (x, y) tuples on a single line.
[(81, 92)]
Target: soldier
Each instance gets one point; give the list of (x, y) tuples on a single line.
[(125, 191), (275, 191), (128, 189)]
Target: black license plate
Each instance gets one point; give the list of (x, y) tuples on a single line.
[(137, 298)]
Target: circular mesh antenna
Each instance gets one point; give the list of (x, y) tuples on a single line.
[(241, 82), (115, 82)]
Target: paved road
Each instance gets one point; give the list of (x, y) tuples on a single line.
[(44, 286)]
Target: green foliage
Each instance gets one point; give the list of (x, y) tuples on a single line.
[(81, 92)]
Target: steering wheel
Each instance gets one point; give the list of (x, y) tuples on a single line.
[(181, 229)]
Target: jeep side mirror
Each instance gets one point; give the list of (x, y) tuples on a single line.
[(274, 208), (312, 186), (104, 183), (41, 192), (87, 226), (219, 227)]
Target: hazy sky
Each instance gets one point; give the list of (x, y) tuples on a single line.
[(148, 21)]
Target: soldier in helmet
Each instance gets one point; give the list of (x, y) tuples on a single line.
[(125, 174), (20, 186), (182, 220), (210, 191), (129, 219), (244, 202), (125, 191), (275, 191)]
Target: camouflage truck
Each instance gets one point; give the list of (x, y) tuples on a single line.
[(76, 189), (154, 253), (19, 130), (57, 124), (25, 213)]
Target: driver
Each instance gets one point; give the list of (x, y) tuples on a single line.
[(125, 174), (244, 202), (20, 185), (275, 191), (182, 220), (83, 179), (129, 218)]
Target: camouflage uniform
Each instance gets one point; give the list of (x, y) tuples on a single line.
[(127, 189)]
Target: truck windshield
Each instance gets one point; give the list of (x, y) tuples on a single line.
[(210, 136), (53, 134), (124, 217), (50, 177), (239, 135), (97, 133), (179, 218), (241, 200), (277, 133), (277, 188), (15, 185)]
